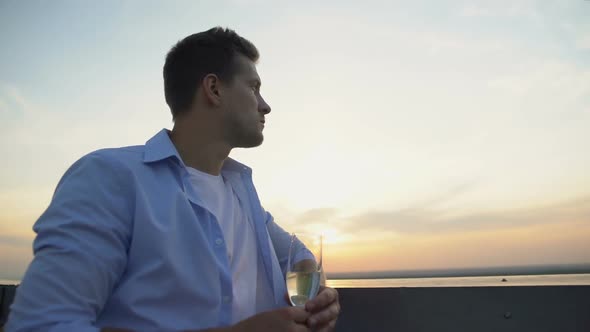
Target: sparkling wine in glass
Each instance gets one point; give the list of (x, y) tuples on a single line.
[(304, 267)]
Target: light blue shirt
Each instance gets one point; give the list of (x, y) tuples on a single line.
[(127, 243)]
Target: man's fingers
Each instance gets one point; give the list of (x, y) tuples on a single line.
[(325, 297), (325, 316), (298, 314), (328, 327), (302, 328)]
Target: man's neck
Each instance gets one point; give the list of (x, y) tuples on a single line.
[(199, 149)]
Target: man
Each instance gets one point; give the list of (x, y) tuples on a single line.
[(171, 236)]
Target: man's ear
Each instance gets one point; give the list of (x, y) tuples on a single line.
[(211, 89)]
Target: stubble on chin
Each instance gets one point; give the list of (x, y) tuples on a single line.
[(252, 141), (244, 136), (247, 140)]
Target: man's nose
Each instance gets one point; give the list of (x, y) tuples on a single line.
[(263, 107)]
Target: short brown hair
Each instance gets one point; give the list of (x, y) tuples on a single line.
[(191, 59)]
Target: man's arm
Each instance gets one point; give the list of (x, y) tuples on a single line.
[(288, 319), (324, 309), (80, 250), (281, 240)]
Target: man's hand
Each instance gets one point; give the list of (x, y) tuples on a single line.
[(288, 319), (324, 309)]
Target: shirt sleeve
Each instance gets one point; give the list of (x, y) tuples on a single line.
[(80, 250), (281, 240)]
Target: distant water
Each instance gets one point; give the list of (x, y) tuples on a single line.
[(9, 282), (513, 280), (518, 280)]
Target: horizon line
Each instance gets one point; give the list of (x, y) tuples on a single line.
[(537, 269)]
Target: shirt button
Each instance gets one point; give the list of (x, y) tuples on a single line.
[(218, 241), (226, 299)]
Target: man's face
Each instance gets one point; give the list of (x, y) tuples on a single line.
[(243, 106)]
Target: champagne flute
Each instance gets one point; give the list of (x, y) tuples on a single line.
[(304, 267)]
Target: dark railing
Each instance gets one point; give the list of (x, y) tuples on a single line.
[(466, 309), (6, 296), (450, 309)]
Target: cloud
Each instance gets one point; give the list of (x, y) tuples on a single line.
[(583, 42), (447, 196), (430, 218), (313, 220), (15, 254), (497, 9), (13, 102), (16, 240), (474, 10), (427, 220), (566, 82), (29, 123), (319, 215)]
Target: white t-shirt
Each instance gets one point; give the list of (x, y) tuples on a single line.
[(219, 198)]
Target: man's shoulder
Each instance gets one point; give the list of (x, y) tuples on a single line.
[(109, 159), (124, 154), (103, 168)]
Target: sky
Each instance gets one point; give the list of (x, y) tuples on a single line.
[(413, 134)]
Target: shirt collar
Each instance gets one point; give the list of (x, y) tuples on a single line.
[(160, 147), (232, 165)]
